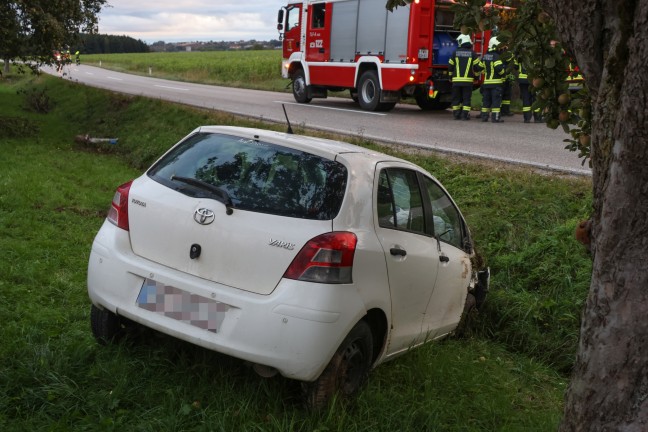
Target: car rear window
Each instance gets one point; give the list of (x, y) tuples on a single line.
[(257, 176)]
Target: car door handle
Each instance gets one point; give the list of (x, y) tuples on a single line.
[(444, 259), (398, 251)]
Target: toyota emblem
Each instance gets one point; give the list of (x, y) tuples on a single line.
[(204, 216)]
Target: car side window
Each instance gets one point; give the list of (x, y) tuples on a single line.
[(399, 202), (448, 224)]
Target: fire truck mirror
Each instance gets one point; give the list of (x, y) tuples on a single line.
[(280, 18)]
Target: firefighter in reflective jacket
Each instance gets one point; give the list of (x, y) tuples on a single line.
[(463, 64), (494, 73), (527, 95)]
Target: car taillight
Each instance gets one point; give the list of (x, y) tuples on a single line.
[(327, 258), (118, 213)]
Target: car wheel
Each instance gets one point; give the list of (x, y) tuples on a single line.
[(106, 326), (347, 370), (300, 90), (369, 91)]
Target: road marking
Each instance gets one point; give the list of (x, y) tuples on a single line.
[(172, 88), (89, 73), (331, 108), (113, 78)]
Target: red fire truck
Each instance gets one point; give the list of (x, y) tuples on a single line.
[(379, 56)]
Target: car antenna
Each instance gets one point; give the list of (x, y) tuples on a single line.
[(290, 131)]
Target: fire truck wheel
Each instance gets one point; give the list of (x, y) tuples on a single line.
[(369, 91), (300, 90), (427, 104)]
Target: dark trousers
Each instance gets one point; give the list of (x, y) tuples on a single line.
[(506, 97), (527, 100), (491, 99), (461, 96)]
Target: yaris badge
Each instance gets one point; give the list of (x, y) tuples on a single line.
[(204, 216)]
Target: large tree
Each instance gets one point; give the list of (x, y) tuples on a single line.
[(608, 39), (609, 386), (32, 29)]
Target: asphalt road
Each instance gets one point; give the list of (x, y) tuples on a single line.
[(513, 141)]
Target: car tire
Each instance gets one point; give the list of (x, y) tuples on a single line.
[(346, 372), (300, 89), (106, 326)]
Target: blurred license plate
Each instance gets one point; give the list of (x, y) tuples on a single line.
[(181, 305)]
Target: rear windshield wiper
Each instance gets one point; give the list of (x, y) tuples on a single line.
[(219, 194)]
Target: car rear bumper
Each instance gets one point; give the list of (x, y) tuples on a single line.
[(296, 329)]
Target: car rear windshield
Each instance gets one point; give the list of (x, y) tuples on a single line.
[(254, 175)]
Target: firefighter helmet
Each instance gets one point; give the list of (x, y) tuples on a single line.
[(462, 39), (493, 43)]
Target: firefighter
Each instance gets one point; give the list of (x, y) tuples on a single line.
[(58, 61), (527, 96), (462, 66), (509, 78), (525, 92), (493, 80)]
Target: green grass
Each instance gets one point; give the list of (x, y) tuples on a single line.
[(246, 69), (508, 374)]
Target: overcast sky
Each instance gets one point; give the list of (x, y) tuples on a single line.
[(191, 20)]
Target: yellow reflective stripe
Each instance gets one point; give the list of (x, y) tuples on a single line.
[(468, 66)]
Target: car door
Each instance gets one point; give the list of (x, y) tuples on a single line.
[(411, 253), (445, 305)]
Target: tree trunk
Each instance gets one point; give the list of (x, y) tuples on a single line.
[(5, 68), (609, 387)]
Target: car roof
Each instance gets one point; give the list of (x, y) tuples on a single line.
[(328, 148)]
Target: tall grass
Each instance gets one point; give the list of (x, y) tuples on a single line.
[(53, 376)]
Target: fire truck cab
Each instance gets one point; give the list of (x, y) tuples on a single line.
[(379, 56)]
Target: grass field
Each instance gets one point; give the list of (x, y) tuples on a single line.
[(259, 70), (507, 374)]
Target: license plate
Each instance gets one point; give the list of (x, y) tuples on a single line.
[(423, 53), (181, 305)]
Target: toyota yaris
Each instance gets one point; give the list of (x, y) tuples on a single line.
[(308, 257)]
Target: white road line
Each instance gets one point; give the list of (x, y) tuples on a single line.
[(331, 108), (89, 73), (172, 88), (113, 78)]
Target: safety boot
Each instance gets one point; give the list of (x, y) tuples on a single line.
[(456, 114), (496, 118), (527, 117), (465, 115), (484, 116)]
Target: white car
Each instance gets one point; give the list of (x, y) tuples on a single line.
[(312, 258)]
